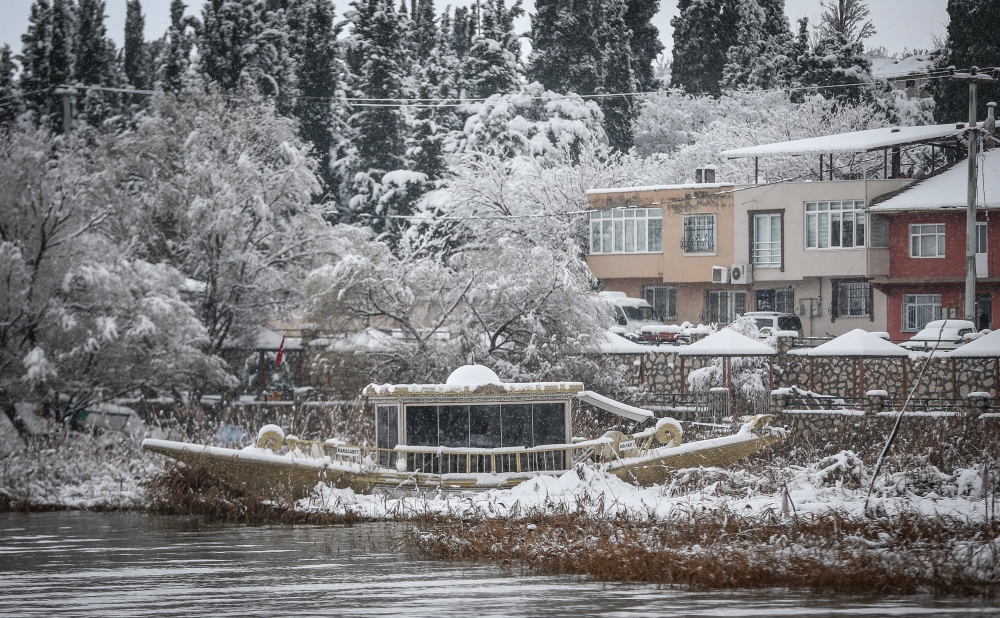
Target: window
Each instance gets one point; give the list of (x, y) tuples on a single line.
[(663, 298), (851, 298), (632, 230), (699, 234), (486, 426), (721, 306), (782, 300), (767, 240), (919, 309), (927, 241), (835, 225), (878, 237), (981, 237)]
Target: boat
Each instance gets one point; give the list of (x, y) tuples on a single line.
[(473, 432)]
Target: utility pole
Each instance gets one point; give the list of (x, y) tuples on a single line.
[(66, 92), (974, 78)]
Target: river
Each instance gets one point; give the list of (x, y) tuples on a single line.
[(127, 564)]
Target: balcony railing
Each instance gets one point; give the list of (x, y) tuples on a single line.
[(698, 245)]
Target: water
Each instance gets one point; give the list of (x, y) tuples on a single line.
[(96, 564)]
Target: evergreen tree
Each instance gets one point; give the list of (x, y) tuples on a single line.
[(47, 59), (314, 43), (971, 42), (461, 32), (617, 75), (96, 64), (760, 53), (175, 59), (704, 30), (11, 104), (491, 66), (646, 44), (136, 59), (425, 30), (566, 54), (839, 57)]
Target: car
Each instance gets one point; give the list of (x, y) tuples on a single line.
[(771, 321), (632, 313), (941, 335), (663, 333)]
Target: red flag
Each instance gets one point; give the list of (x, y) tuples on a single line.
[(281, 352)]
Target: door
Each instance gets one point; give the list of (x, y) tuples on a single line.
[(984, 311)]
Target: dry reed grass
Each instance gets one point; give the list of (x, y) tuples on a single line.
[(722, 549)]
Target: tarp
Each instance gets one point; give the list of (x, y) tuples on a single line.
[(615, 407), (857, 342), (727, 342), (987, 346)]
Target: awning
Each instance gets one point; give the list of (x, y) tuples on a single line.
[(614, 407), (854, 142)]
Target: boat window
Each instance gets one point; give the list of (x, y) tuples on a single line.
[(386, 419), (549, 423), (516, 425), (484, 426), (453, 426), (422, 425)]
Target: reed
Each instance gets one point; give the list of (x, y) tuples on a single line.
[(721, 549)]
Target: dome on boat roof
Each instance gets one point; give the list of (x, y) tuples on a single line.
[(472, 375)]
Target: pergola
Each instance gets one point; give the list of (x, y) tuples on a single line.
[(858, 344), (728, 343)]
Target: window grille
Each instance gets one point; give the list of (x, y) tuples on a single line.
[(699, 234), (852, 298), (663, 298), (919, 309), (721, 306)]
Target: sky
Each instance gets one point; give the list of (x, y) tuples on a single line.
[(900, 24)]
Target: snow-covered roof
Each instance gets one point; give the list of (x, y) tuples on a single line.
[(891, 68), (949, 189), (616, 344), (857, 342), (987, 346), (615, 407), (727, 342), (472, 375), (688, 185), (856, 141), (269, 340), (450, 390)]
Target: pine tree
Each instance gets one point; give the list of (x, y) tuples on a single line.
[(646, 44), (227, 31), (175, 59), (617, 75), (314, 44), (136, 58), (971, 42), (839, 57), (566, 55), (36, 75), (704, 30), (11, 104), (760, 53), (96, 64), (461, 32), (491, 66)]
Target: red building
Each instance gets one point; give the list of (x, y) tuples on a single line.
[(923, 231)]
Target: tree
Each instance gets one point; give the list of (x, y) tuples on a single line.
[(646, 44), (970, 43), (617, 77), (11, 103), (135, 45), (839, 57), (95, 64), (566, 54), (759, 56), (704, 30), (491, 65), (173, 62), (846, 18)]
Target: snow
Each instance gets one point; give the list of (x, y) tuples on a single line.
[(472, 375), (727, 342), (615, 407), (269, 340), (853, 142), (686, 185), (877, 393), (857, 342), (987, 346), (891, 68), (393, 390), (616, 344), (949, 189)]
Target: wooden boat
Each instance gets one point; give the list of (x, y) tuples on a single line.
[(473, 432)]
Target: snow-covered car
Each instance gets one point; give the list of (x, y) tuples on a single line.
[(771, 321), (941, 335), (632, 313)]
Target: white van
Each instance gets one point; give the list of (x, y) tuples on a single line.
[(632, 313)]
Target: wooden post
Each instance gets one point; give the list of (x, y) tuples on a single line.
[(770, 374), (831, 166), (885, 163), (729, 373), (906, 390), (812, 379), (821, 168), (861, 360), (682, 379), (260, 370), (954, 382), (756, 170)]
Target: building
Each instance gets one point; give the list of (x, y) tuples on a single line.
[(664, 244), (926, 248)]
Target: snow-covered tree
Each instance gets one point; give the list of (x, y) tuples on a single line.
[(96, 64), (174, 60), (759, 56), (47, 58), (566, 55), (646, 44), (971, 42), (136, 54), (617, 76), (492, 64), (11, 103), (704, 30)]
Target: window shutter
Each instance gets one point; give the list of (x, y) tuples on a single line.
[(834, 298)]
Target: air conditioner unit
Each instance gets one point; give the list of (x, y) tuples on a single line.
[(720, 274), (741, 274)]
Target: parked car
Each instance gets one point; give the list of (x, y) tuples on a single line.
[(632, 313), (663, 333), (941, 335), (771, 321)]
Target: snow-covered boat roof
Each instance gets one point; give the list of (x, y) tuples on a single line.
[(949, 189), (727, 342), (855, 141), (687, 185), (857, 342), (473, 380), (615, 407), (987, 346)]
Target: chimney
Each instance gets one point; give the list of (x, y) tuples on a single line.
[(705, 175)]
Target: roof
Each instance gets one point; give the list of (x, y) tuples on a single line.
[(949, 189), (267, 339), (891, 68), (505, 389), (616, 344), (987, 346), (857, 342), (856, 141), (727, 342), (689, 185)]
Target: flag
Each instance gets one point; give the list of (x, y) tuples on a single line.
[(281, 352)]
